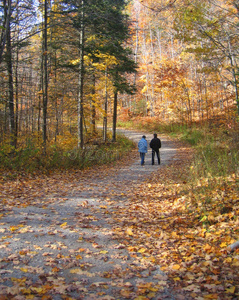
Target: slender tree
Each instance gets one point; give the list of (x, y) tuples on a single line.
[(9, 63), (6, 12), (45, 74)]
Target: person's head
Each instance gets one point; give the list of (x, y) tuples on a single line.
[(144, 137), (155, 135)]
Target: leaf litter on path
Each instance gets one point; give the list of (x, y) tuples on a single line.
[(116, 232)]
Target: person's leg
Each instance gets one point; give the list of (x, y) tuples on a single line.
[(142, 158), (158, 156), (153, 154)]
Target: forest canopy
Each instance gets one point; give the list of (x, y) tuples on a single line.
[(68, 66)]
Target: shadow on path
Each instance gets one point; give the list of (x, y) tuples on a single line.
[(68, 248)]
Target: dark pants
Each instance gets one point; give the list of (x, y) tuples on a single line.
[(158, 156)]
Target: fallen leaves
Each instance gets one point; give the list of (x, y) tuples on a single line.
[(158, 223), (188, 239)]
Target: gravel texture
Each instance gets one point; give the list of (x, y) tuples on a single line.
[(65, 248)]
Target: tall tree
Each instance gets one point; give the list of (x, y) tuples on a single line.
[(81, 74), (209, 29), (6, 12), (107, 23), (45, 73), (9, 63)]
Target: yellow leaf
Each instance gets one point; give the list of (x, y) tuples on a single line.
[(152, 259), (37, 290), (64, 224), (207, 247), (13, 228), (142, 250), (211, 218), (103, 252), (235, 262), (231, 290), (75, 271), (176, 267), (176, 279), (81, 272), (24, 230), (227, 260), (211, 296), (24, 270), (125, 293), (152, 289), (129, 231), (223, 245), (55, 269), (174, 234)]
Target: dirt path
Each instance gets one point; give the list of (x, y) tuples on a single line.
[(67, 249)]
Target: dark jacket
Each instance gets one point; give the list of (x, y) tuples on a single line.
[(155, 144)]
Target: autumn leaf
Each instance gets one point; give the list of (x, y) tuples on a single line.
[(176, 267), (231, 290), (129, 231)]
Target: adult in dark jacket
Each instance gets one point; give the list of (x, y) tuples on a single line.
[(155, 144)]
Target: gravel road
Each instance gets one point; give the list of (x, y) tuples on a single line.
[(65, 248)]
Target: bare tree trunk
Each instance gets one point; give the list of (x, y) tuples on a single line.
[(7, 6), (93, 111), (81, 81), (235, 75), (16, 79), (45, 76), (10, 83), (114, 116), (55, 97), (105, 111)]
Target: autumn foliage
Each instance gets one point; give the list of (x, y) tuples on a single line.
[(175, 231)]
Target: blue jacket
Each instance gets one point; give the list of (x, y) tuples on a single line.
[(143, 145)]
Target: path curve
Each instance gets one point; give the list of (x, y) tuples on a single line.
[(167, 152), (68, 247)]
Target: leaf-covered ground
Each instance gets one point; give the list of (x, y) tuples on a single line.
[(119, 232)]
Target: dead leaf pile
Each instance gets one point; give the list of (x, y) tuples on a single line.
[(186, 231), (112, 243)]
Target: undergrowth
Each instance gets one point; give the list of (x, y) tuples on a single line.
[(61, 154), (215, 164)]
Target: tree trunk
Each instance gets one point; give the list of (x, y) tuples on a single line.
[(7, 6), (45, 76), (106, 108), (93, 111), (10, 82), (81, 80), (16, 78), (114, 116)]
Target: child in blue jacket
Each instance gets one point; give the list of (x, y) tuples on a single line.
[(143, 148)]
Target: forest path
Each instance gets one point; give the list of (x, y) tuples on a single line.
[(67, 246)]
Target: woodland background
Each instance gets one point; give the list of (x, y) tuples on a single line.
[(69, 68), (69, 65)]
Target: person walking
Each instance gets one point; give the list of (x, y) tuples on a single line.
[(143, 148), (155, 144)]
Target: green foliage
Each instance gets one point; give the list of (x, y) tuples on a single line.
[(216, 150), (127, 125)]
